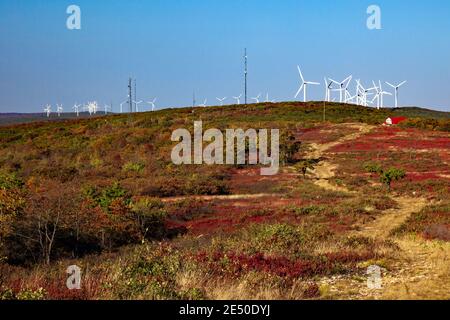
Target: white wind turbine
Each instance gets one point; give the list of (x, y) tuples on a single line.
[(94, 106), (267, 99), (382, 93), (379, 95), (221, 100), (238, 99), (304, 85), (363, 93), (107, 107), (327, 89), (153, 104), (59, 109), (91, 107), (137, 103), (396, 91), (48, 110), (76, 107), (257, 98), (121, 106), (342, 86), (203, 104)]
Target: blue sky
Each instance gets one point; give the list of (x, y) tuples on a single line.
[(174, 47)]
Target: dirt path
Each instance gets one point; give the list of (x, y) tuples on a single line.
[(421, 269), (325, 170), (382, 227), (221, 197)]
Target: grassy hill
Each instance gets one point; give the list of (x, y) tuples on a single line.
[(103, 193), (410, 112)]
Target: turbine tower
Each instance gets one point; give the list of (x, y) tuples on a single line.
[(137, 103), (121, 106), (48, 110), (152, 103), (267, 99), (59, 109), (396, 91), (107, 107), (238, 99), (257, 98), (327, 89), (382, 93), (304, 85), (76, 107)]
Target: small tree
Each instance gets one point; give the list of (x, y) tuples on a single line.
[(386, 176), (393, 174), (290, 148), (304, 165), (149, 215)]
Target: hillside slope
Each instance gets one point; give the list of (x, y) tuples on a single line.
[(105, 195)]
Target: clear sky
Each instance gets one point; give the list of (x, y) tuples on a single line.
[(174, 47)]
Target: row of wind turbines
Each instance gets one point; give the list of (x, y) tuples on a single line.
[(238, 100), (93, 108), (364, 96), (361, 94)]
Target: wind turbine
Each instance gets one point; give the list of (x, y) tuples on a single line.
[(257, 98), (76, 107), (363, 92), (152, 103), (203, 104), (221, 100), (106, 108), (304, 85), (396, 91), (327, 89), (267, 99), (137, 103), (48, 110), (238, 99), (342, 86), (121, 106), (382, 93), (59, 109), (91, 107)]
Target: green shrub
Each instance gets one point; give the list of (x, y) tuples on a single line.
[(386, 176), (104, 198), (10, 181), (134, 167)]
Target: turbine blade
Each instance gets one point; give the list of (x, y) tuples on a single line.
[(390, 84), (298, 92), (301, 75)]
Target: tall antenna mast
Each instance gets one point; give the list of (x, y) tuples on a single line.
[(245, 75), (193, 99), (130, 97)]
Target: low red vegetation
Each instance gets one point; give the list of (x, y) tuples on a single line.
[(393, 138), (55, 289), (220, 263)]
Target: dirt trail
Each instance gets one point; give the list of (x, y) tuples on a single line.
[(222, 197), (421, 269), (392, 218), (325, 170)]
